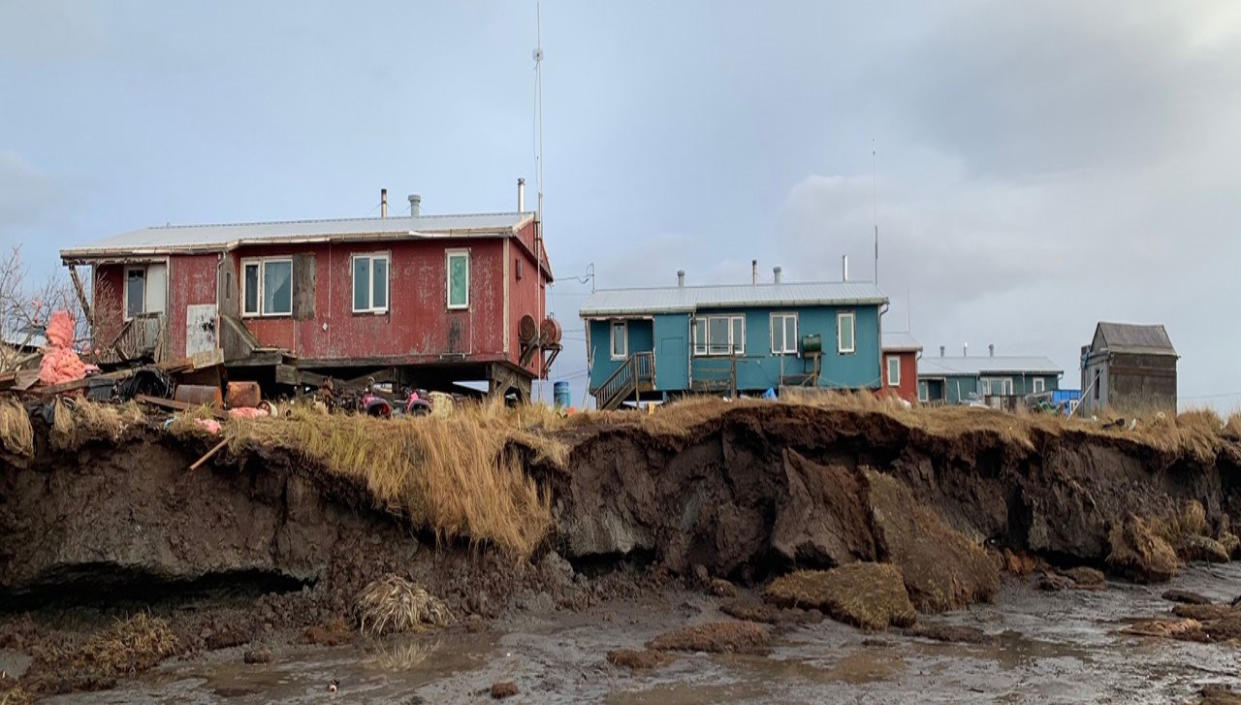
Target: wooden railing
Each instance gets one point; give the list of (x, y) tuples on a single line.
[(637, 371), (141, 337)]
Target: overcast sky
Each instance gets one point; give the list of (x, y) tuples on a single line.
[(1040, 166)]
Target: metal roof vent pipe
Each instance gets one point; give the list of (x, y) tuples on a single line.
[(941, 351), (775, 273), (681, 277), (383, 203), (844, 268), (521, 195), (754, 272), (965, 349), (991, 350), (415, 205)]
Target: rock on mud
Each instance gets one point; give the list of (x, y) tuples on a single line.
[(715, 637), (640, 659), (505, 689), (759, 612), (1139, 554), (942, 569), (1185, 597), (1085, 577), (950, 632), (1201, 548), (866, 595)]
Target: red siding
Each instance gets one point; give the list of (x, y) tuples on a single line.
[(191, 280), (907, 389), (418, 323)]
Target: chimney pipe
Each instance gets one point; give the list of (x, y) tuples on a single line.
[(383, 203), (521, 195), (775, 273), (941, 351), (754, 271), (991, 349), (680, 277), (965, 349), (844, 268), (415, 205)]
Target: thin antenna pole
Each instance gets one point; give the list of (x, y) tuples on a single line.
[(874, 201), (538, 167)]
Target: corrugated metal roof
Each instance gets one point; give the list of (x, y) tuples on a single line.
[(1135, 338), (898, 340), (974, 366), (217, 237), (680, 299)]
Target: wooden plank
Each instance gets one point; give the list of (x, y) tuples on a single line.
[(209, 454), (176, 405), (287, 374), (82, 383), (303, 287), (77, 286)]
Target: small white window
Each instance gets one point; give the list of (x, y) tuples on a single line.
[(846, 341), (458, 278), (1006, 386), (784, 333), (370, 283), (267, 287), (894, 371), (620, 340), (922, 394), (1040, 385), (719, 335), (986, 386)]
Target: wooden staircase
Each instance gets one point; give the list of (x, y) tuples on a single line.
[(635, 375)]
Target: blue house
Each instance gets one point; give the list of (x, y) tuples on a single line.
[(657, 343), (1000, 381)]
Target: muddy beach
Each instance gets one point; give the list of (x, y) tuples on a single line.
[(987, 557)]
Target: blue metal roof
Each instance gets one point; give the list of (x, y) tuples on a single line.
[(688, 299)]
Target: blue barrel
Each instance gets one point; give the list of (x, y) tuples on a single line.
[(561, 395)]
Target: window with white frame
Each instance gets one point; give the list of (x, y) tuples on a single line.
[(620, 340), (458, 278), (370, 283), (922, 392), (719, 335), (784, 333), (846, 332), (267, 287), (1006, 386), (1040, 385), (986, 386), (894, 370)]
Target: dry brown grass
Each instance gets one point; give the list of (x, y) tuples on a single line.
[(1189, 520), (460, 476), (129, 646), (393, 604), (727, 637), (79, 421), (866, 595), (15, 430)]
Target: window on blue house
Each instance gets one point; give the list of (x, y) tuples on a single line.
[(1040, 385), (784, 333), (719, 335), (846, 333), (620, 340)]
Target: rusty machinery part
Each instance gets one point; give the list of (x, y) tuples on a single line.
[(527, 330), (550, 332)]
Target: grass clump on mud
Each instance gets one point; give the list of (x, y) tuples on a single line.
[(1140, 554), (15, 430), (460, 476), (867, 595), (76, 422), (129, 646), (728, 636), (393, 604)]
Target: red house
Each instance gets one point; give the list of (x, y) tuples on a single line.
[(435, 299), (900, 366)]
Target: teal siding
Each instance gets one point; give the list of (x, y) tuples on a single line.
[(641, 339), (672, 347), (758, 369), (957, 388)]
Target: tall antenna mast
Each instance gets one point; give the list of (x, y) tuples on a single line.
[(874, 201), (538, 168)]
